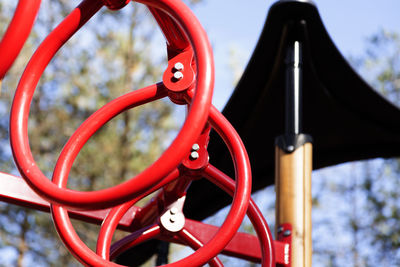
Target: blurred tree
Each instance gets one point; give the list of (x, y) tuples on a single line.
[(364, 218), (116, 52)]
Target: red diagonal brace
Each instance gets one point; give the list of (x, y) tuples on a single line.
[(14, 190)]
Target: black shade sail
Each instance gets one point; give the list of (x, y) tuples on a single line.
[(346, 118)]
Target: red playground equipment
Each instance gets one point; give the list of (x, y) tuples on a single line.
[(188, 80)]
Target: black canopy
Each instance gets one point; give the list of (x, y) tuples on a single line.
[(346, 118)]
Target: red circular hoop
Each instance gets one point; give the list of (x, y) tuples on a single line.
[(190, 130), (17, 32), (202, 255)]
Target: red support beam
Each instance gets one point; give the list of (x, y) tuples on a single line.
[(14, 190)]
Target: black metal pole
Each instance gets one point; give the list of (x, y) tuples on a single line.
[(293, 105), (293, 136)]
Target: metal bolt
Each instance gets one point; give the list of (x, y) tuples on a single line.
[(173, 211), (280, 229), (178, 75), (194, 155), (172, 219), (178, 66), (195, 147), (287, 233), (290, 148)]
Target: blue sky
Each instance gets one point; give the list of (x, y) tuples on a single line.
[(237, 24)]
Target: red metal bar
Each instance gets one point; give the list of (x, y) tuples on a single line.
[(243, 245), (257, 219), (73, 242), (203, 254), (129, 241), (192, 241), (14, 190), (173, 34), (115, 4), (192, 127), (17, 32)]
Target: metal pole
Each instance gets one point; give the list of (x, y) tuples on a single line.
[(293, 89), (293, 169)]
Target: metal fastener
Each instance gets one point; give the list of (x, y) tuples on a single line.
[(178, 66), (195, 147), (194, 155), (178, 75), (287, 233)]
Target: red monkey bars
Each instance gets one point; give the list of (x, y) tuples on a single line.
[(188, 80), (294, 35)]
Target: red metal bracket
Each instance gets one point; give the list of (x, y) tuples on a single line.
[(284, 234), (179, 75)]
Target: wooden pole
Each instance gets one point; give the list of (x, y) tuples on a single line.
[(294, 202)]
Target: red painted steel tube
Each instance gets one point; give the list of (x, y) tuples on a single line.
[(192, 241), (112, 220), (14, 190), (151, 232), (238, 208), (132, 240), (74, 244), (91, 126), (115, 4), (17, 32), (257, 219), (192, 127), (174, 36)]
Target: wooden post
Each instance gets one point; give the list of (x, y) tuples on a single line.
[(294, 202)]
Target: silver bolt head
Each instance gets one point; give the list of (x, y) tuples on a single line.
[(287, 233), (290, 148), (280, 229), (194, 155), (178, 75), (195, 147), (178, 66)]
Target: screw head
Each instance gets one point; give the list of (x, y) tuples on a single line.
[(178, 66), (178, 75), (195, 147), (194, 155), (280, 229), (290, 148), (287, 233)]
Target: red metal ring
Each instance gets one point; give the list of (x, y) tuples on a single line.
[(17, 33), (202, 255), (190, 130), (71, 239), (235, 215)]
